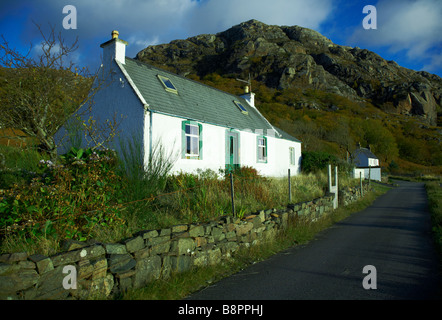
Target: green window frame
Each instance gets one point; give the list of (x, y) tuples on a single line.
[(292, 156), (261, 146), (192, 140)]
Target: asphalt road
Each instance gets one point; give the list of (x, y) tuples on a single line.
[(393, 235)]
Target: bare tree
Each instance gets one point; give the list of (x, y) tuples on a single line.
[(38, 94)]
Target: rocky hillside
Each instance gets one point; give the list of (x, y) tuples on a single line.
[(283, 57), (329, 96)]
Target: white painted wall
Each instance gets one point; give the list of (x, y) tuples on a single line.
[(373, 173), (114, 98), (167, 131)]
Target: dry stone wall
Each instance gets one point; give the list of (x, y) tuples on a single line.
[(101, 270)]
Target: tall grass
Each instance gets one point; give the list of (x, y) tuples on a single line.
[(18, 165), (434, 192), (132, 195), (299, 231)]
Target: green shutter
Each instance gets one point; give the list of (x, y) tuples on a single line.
[(200, 126), (183, 139)]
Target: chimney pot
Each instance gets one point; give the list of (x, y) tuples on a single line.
[(115, 34)]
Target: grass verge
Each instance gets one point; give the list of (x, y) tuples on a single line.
[(434, 192), (301, 231)]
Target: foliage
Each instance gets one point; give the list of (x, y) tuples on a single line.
[(434, 192), (38, 94), (326, 121), (316, 161), (67, 201)]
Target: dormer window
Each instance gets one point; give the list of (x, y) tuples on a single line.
[(168, 85), (241, 107)]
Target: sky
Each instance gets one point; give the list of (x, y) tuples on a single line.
[(407, 31)]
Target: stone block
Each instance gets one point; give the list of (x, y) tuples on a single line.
[(84, 270), (179, 228), (218, 234), (18, 281), (165, 232), (70, 244), (120, 263), (184, 246), (143, 253), (16, 257), (49, 286), (256, 222), (26, 264), (99, 268), (94, 289), (69, 257), (147, 270), (231, 236), (93, 252), (182, 263), (200, 241), (243, 228), (196, 231), (149, 234), (115, 248), (134, 244), (159, 245), (43, 263)]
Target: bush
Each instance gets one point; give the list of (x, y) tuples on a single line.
[(316, 161), (67, 201)]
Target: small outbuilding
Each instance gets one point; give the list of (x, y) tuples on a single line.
[(366, 164)]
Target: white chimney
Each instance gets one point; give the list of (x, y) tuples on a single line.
[(249, 96), (114, 49)]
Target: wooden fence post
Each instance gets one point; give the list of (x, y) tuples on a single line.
[(232, 193), (290, 189)]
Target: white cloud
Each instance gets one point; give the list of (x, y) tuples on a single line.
[(412, 26), (215, 16), (434, 64), (150, 22)]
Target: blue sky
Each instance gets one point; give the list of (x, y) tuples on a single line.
[(408, 31)]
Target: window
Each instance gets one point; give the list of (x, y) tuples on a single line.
[(192, 140), (168, 85), (292, 156), (262, 149), (241, 107)]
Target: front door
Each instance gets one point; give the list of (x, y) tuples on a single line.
[(232, 151)]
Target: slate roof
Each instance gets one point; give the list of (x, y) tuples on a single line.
[(285, 135), (194, 101), (366, 152)]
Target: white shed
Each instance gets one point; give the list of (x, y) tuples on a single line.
[(366, 164)]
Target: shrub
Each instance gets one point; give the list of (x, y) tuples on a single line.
[(67, 201), (316, 161)]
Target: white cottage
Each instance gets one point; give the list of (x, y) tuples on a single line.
[(204, 127), (366, 164)]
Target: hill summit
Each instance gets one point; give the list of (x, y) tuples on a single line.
[(283, 57)]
